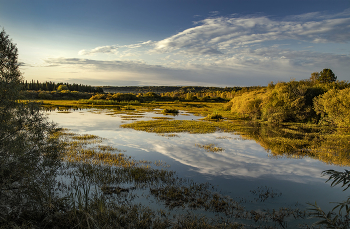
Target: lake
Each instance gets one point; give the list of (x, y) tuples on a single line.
[(240, 168)]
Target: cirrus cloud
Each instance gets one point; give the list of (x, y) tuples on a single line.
[(225, 33)]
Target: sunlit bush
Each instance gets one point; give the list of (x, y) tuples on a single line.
[(334, 107), (248, 105)]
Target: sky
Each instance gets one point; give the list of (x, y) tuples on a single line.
[(221, 43)]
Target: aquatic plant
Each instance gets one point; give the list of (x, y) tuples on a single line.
[(170, 111), (334, 219), (210, 147)]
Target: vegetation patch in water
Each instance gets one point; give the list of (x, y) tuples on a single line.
[(170, 111), (176, 126), (131, 116), (162, 118), (169, 135), (210, 147)]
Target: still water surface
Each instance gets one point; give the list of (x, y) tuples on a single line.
[(241, 167)]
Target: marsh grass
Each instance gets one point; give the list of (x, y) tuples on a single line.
[(132, 116), (174, 126), (189, 126), (99, 188), (162, 118), (210, 147), (196, 108), (264, 193)]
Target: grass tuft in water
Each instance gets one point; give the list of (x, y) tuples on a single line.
[(210, 147)]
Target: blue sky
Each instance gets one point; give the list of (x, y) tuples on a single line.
[(178, 42)]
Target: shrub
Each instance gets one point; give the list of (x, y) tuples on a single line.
[(63, 87), (170, 111), (214, 116), (98, 97), (123, 97), (334, 107), (248, 105)]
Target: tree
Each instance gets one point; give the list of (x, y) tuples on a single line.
[(62, 87), (29, 156), (314, 76), (325, 76)]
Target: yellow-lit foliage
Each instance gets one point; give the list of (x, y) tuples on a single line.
[(295, 101), (334, 106), (248, 105)]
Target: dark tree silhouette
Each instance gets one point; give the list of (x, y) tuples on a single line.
[(327, 76), (29, 158)]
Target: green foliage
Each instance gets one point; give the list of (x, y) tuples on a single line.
[(342, 178), (29, 157), (52, 86), (288, 102), (333, 219), (296, 101), (99, 97), (334, 107), (56, 95), (214, 116), (122, 97), (248, 105), (327, 76), (63, 88)]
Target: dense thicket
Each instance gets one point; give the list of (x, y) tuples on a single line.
[(297, 101)]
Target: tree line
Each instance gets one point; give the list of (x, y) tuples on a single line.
[(52, 86)]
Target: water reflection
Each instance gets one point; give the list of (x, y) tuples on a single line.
[(254, 156)]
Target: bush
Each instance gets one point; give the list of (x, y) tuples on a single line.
[(334, 107), (123, 97), (98, 97), (170, 111), (214, 116), (248, 105), (63, 87)]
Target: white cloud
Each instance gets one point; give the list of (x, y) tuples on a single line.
[(102, 49), (113, 49), (225, 33), (231, 50)]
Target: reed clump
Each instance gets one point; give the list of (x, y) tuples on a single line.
[(170, 111), (214, 116)]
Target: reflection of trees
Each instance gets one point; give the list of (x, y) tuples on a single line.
[(331, 146)]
